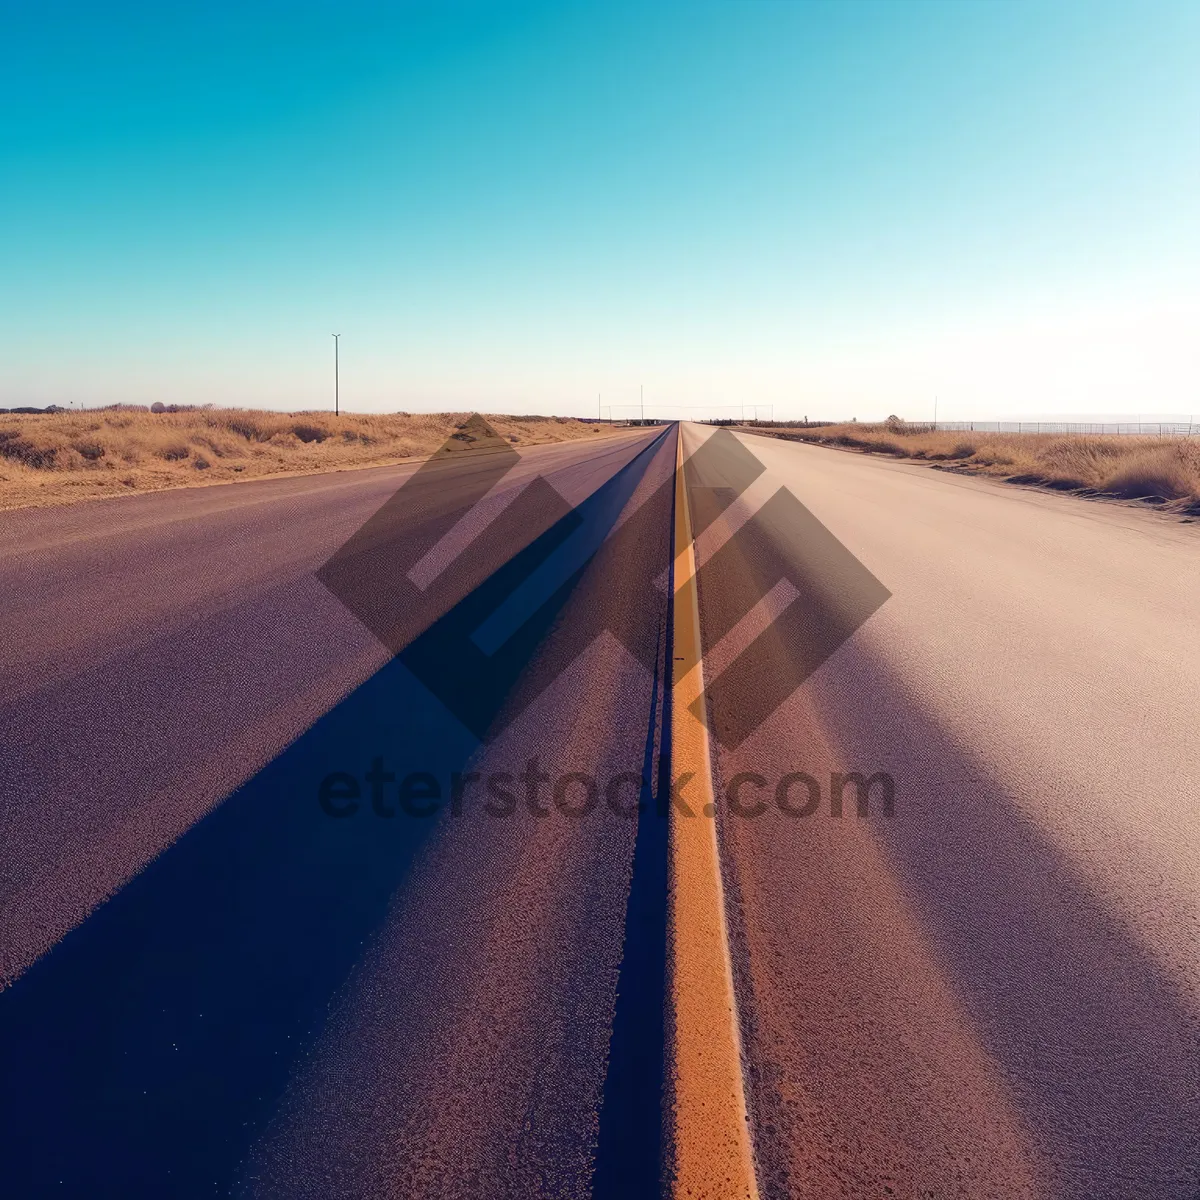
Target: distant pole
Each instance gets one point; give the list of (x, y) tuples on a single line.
[(935, 412), (642, 400), (336, 397)]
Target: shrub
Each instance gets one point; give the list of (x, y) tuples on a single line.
[(309, 433), (1160, 475), (23, 451), (252, 429)]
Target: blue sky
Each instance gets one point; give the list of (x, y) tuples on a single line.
[(832, 208)]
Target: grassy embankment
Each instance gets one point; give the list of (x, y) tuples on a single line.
[(1163, 471), (54, 458)]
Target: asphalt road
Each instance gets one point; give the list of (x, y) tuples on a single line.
[(281, 998), (996, 991), (171, 645), (323, 873)]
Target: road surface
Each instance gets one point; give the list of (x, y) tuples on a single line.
[(995, 991), (324, 875)]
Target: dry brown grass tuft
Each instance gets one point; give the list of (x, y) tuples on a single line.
[(1161, 470), (54, 458)]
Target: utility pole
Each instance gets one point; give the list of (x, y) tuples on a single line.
[(335, 373), (935, 412), (642, 400)]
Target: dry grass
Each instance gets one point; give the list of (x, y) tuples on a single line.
[(1163, 471), (54, 458)]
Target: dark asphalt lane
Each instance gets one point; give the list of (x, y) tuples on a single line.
[(161, 649), (277, 999)]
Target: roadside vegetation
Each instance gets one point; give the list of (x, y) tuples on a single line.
[(57, 457), (1159, 470)]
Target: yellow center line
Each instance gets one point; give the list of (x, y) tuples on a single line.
[(712, 1154)]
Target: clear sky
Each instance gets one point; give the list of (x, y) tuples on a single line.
[(834, 208)]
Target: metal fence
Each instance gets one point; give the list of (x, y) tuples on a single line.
[(633, 414), (1139, 428)]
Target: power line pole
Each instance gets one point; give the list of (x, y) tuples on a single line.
[(642, 400), (336, 381)]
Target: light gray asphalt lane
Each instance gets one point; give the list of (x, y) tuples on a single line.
[(996, 991)]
